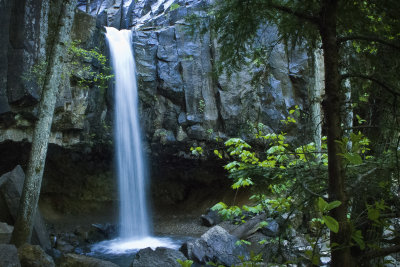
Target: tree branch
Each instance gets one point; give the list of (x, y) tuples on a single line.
[(300, 15), (367, 38), (380, 253), (372, 79)]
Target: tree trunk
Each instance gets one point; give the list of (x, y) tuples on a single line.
[(88, 6), (348, 109), (315, 94), (31, 190), (341, 255)]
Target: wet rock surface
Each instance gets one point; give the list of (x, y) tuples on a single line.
[(158, 257)]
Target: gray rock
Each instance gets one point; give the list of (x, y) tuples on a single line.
[(216, 245), (197, 132), (64, 246), (5, 13), (34, 256), (211, 218), (25, 41), (5, 233), (170, 81), (181, 135), (108, 230), (272, 229), (11, 185), (160, 257), (9, 256), (75, 260), (164, 136), (167, 49), (182, 119)]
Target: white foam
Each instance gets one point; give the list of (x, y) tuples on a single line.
[(126, 246)]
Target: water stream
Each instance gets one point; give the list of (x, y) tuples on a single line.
[(135, 223), (131, 165)]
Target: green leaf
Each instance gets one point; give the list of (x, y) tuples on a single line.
[(333, 204), (353, 158), (186, 263), (322, 204), (358, 238), (219, 206), (331, 223), (373, 214), (219, 155), (242, 183), (174, 6), (262, 242), (314, 258)]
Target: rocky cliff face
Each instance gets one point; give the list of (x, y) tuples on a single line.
[(182, 102)]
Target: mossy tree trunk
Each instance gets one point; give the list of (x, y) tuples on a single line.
[(30, 194), (316, 94)]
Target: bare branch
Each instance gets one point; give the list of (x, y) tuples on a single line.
[(368, 39), (372, 79)]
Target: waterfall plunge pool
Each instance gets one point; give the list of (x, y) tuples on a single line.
[(122, 251)]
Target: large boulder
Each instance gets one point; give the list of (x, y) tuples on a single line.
[(11, 185), (160, 257), (5, 233), (216, 245), (75, 260), (34, 256), (9, 256)]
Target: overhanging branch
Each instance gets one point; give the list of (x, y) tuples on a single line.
[(298, 14), (372, 79), (368, 39)]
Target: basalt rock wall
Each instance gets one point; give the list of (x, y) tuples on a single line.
[(182, 102)]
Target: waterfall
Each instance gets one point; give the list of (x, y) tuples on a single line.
[(130, 162)]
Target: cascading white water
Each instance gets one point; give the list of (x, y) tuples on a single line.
[(131, 165), (135, 224)]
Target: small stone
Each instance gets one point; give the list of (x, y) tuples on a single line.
[(64, 246), (181, 135)]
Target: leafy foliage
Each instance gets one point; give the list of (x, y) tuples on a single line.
[(288, 180), (84, 74), (186, 263)]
